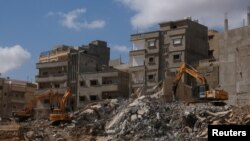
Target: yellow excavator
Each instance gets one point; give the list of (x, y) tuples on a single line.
[(60, 114), (202, 92), (28, 111)]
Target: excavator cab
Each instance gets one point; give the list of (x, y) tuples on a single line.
[(60, 114), (199, 91)]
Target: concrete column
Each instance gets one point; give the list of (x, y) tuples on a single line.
[(248, 18), (225, 25), (248, 15)]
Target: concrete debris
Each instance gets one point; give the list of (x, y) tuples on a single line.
[(145, 118)]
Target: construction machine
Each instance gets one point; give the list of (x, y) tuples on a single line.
[(202, 92), (28, 111), (60, 114)]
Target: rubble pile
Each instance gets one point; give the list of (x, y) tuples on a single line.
[(149, 118), (145, 118), (9, 131), (92, 119)]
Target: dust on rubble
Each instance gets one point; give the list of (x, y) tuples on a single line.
[(145, 118)]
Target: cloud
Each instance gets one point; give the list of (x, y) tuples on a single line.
[(121, 48), (208, 12), (12, 58), (71, 20)]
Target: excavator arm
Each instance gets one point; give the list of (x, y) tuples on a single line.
[(60, 114), (184, 68), (28, 107), (203, 89)]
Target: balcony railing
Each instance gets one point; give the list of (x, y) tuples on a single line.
[(51, 64), (51, 77), (137, 81)]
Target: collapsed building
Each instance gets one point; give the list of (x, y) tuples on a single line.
[(14, 94), (156, 55)]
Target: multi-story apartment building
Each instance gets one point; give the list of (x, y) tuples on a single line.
[(157, 52), (87, 58), (145, 59), (14, 94), (104, 84), (52, 69), (66, 66)]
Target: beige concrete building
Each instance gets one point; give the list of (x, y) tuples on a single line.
[(104, 84), (53, 69), (145, 59), (66, 66), (87, 58), (234, 57), (154, 53), (14, 94)]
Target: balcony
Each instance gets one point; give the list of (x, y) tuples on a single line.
[(137, 68), (51, 64), (58, 90), (99, 88), (137, 52), (51, 78), (16, 100), (152, 66)]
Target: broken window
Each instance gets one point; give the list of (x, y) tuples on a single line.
[(57, 86), (46, 101), (93, 82), (151, 77), (177, 41), (151, 60), (177, 58), (45, 73), (82, 83), (109, 95), (82, 98), (93, 97)]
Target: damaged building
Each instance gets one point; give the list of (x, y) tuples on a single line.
[(234, 56), (14, 94), (156, 54), (75, 67), (108, 83)]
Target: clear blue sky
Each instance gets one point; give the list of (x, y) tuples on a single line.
[(29, 27)]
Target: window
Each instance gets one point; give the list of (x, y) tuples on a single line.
[(173, 26), (151, 43), (1, 87), (46, 101), (5, 94), (57, 85), (93, 97), (177, 58), (82, 98), (45, 73), (151, 60), (177, 41), (151, 77), (93, 82), (82, 83)]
